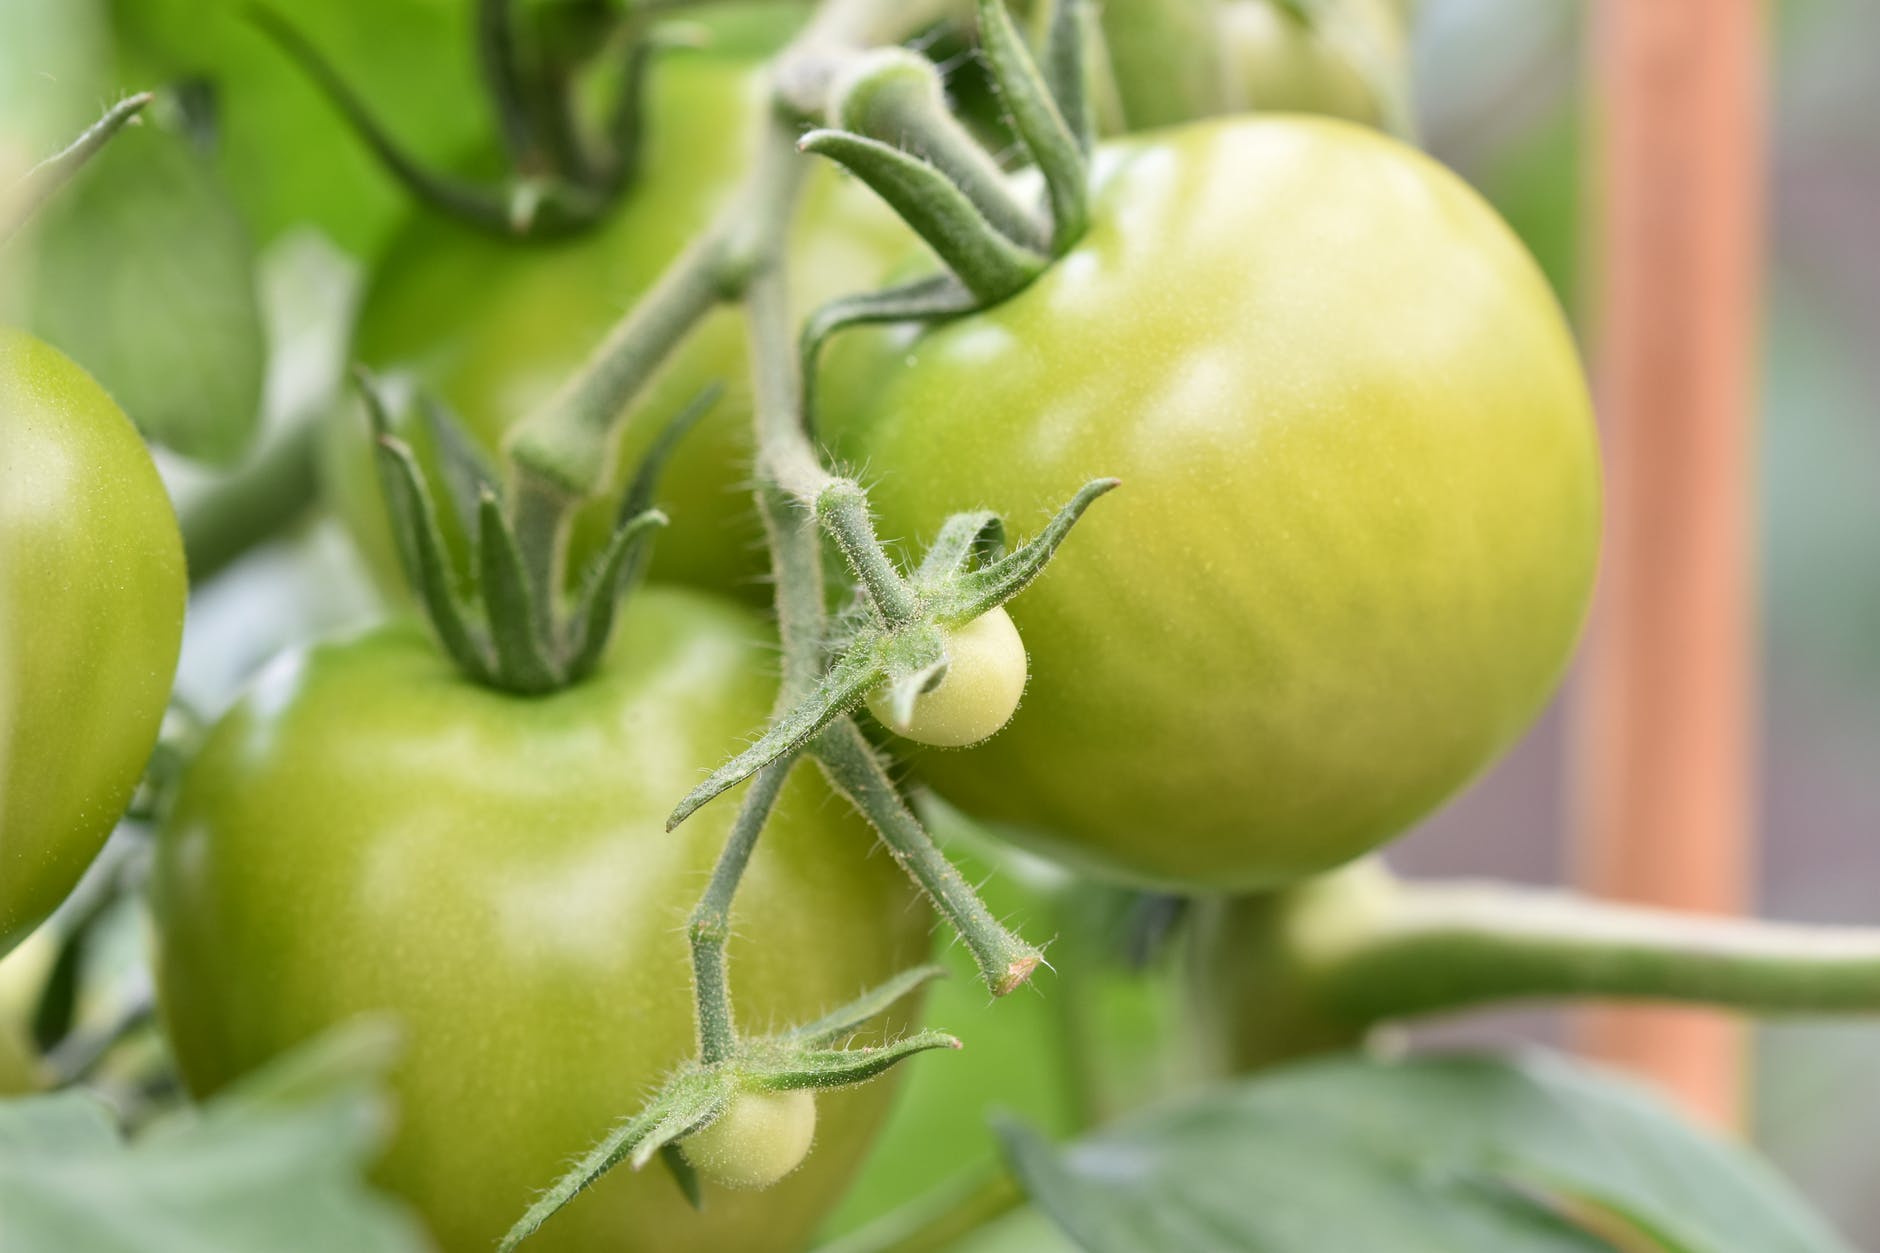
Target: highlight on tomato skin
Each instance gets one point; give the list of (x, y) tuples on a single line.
[(978, 694), (92, 590), (368, 831), (667, 753), (1362, 515)]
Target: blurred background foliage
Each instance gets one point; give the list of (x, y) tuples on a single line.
[(1500, 95)]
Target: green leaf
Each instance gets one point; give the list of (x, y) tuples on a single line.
[(285, 155), (1448, 1155), (275, 1163), (141, 270)]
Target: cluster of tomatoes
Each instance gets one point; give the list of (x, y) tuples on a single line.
[(1356, 534)]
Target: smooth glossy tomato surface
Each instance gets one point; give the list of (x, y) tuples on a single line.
[(368, 831), (495, 327), (1359, 513), (92, 589)]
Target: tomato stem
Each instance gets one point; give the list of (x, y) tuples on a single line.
[(842, 508), (1005, 961), (1317, 966), (710, 925)]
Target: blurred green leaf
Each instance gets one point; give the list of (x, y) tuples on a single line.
[(1448, 1155), (283, 152), (140, 269), (275, 1163)]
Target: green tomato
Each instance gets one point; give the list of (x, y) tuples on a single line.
[(92, 588), (1359, 513), (1181, 60), (984, 679), (366, 831), (495, 327), (1279, 64), (760, 1138)]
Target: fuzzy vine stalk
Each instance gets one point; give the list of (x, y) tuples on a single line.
[(897, 637)]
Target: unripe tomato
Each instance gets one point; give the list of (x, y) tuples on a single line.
[(368, 831), (1276, 63), (92, 588), (760, 1138), (495, 327), (1359, 515), (984, 679)]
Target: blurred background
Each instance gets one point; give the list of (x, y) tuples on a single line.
[(1501, 95)]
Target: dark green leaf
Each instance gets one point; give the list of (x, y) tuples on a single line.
[(1444, 1155)]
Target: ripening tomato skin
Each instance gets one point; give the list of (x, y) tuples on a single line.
[(496, 327), (1359, 514), (92, 588), (368, 831)]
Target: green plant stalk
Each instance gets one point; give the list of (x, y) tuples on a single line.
[(1447, 946), (710, 927), (787, 460), (558, 456), (744, 255), (1321, 965), (254, 503)]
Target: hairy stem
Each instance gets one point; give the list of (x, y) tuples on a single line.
[(1005, 961), (710, 926)]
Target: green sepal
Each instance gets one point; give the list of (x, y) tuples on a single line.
[(913, 663), (465, 472), (38, 184), (796, 1069), (682, 1175), (1040, 124), (696, 1095), (895, 96), (855, 673), (612, 576), (1069, 34), (626, 118), (991, 265), (688, 1102), (838, 1023), (973, 593), (420, 541), (905, 652), (639, 496), (513, 606), (504, 630), (965, 539)]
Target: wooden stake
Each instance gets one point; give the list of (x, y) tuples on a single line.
[(1665, 740)]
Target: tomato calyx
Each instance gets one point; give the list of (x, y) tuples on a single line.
[(895, 636), (895, 133), (566, 171), (808, 1058), (505, 629)]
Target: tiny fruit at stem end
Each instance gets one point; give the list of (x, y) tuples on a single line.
[(984, 679), (760, 1138)]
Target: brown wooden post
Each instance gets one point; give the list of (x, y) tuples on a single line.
[(1665, 739)]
